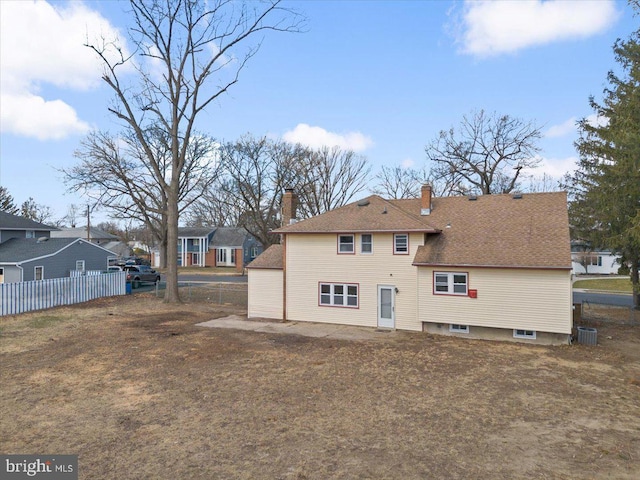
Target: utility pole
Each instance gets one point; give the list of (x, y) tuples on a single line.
[(88, 224)]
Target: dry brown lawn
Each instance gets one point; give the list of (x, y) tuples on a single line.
[(139, 392)]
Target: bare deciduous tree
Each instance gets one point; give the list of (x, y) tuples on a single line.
[(187, 54), (332, 178), (256, 172), (398, 182), (116, 173), (486, 154)]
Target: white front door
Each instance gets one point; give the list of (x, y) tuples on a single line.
[(386, 306)]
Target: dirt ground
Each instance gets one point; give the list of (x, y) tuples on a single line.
[(139, 392)]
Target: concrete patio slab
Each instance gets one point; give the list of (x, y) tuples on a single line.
[(307, 329)]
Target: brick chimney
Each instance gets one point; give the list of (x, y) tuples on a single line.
[(425, 207), (289, 207)]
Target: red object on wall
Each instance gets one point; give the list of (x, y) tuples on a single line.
[(473, 293)]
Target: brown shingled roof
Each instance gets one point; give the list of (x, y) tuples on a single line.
[(492, 231), (270, 258), (498, 231), (372, 214)]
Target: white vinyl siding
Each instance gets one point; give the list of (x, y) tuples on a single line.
[(265, 293), (537, 300), (311, 259)]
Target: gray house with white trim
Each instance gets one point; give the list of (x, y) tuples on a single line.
[(25, 259)]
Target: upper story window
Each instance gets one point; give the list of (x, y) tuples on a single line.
[(401, 243), (254, 252), (196, 242), (366, 243), (450, 283), (80, 265), (346, 244)]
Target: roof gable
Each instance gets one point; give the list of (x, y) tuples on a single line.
[(229, 237), (372, 214), (18, 250)]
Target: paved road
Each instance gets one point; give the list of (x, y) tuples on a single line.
[(212, 278), (605, 298)]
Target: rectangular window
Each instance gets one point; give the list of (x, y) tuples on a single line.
[(30, 234), (401, 243), (80, 265), (459, 328), (346, 244), (38, 273), (254, 252), (450, 283), (529, 334), (339, 295), (366, 243), (196, 242), (222, 255)]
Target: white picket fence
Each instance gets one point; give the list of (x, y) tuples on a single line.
[(39, 294)]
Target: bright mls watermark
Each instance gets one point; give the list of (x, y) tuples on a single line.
[(49, 467)]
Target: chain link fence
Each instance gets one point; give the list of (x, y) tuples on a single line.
[(219, 293), (595, 313)]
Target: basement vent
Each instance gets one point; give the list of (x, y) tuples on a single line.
[(517, 196), (363, 203)]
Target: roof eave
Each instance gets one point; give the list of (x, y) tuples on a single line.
[(471, 265)]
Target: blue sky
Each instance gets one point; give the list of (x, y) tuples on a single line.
[(380, 77)]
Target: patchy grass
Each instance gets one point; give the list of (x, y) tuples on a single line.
[(44, 321), (609, 285), (137, 390)]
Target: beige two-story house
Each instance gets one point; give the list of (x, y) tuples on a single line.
[(492, 266)]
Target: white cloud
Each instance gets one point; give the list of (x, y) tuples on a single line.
[(562, 130), (597, 121), (42, 44), (316, 137), (554, 167), (407, 163), (494, 27), (31, 116)]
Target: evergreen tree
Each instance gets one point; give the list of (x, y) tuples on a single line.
[(7, 203), (604, 192)]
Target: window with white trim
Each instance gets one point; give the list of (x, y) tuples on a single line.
[(455, 328), (401, 243), (449, 283), (196, 242), (254, 252), (528, 334), (366, 243), (38, 273), (30, 234), (80, 265), (339, 295), (346, 244)]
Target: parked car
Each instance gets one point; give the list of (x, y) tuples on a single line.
[(139, 274)]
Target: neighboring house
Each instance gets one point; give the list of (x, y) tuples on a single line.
[(14, 226), (492, 266), (24, 259), (219, 246), (99, 237), (589, 261)]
